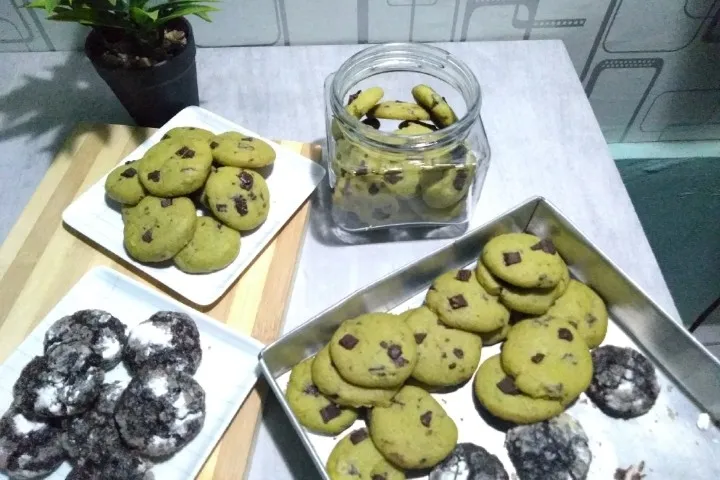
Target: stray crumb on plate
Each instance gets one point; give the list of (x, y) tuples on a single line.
[(631, 473)]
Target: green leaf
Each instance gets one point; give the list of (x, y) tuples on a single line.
[(190, 10), (50, 6), (143, 18), (204, 16), (170, 6), (88, 16)]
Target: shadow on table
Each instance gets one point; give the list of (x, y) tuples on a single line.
[(286, 440), (327, 232), (53, 102)]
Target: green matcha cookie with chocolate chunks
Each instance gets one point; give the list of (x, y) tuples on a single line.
[(123, 184), (156, 229), (194, 133), (486, 279), (313, 409), (533, 301), (460, 302), (523, 260), (360, 102), (414, 431), (233, 149), (355, 457), (213, 247), (175, 167), (443, 188), (584, 310), (398, 110), (548, 359), (330, 383), (446, 356), (238, 197), (441, 113), (498, 393), (374, 350)]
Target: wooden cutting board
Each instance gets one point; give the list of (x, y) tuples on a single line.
[(41, 260)]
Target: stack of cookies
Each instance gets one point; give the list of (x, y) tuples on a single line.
[(376, 186), (386, 366), (191, 169)]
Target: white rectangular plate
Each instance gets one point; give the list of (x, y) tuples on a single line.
[(291, 182), (227, 373)]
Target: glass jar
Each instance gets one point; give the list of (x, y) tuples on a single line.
[(382, 179)]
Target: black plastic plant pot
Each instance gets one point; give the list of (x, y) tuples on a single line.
[(152, 95)]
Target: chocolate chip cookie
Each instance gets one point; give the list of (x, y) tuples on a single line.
[(446, 356), (123, 184), (497, 392), (238, 198), (523, 260), (312, 409), (460, 302), (156, 229), (584, 310), (356, 457), (548, 359), (624, 384), (374, 350), (234, 149), (175, 166), (212, 247), (193, 133), (414, 431)]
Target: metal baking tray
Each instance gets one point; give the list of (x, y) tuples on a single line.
[(668, 438)]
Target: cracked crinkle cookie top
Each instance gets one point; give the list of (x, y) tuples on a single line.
[(28, 448), (160, 412), (166, 340), (97, 329), (66, 381)]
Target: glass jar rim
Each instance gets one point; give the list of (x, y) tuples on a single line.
[(425, 53)]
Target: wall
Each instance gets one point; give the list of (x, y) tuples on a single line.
[(650, 68)]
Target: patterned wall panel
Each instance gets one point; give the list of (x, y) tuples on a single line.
[(651, 69)]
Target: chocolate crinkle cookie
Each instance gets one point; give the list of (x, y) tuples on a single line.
[(160, 412), (99, 330), (90, 435), (469, 462), (556, 449), (65, 381), (168, 340), (113, 465), (624, 384), (28, 448)]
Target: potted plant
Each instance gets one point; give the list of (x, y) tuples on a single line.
[(144, 50)]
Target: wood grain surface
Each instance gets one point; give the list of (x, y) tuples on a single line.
[(41, 260)]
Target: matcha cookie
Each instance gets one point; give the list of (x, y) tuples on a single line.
[(548, 359), (213, 247), (156, 229), (331, 384), (175, 167), (445, 188), (427, 127), (369, 200), (624, 383), (583, 309), (402, 180), (397, 110), (311, 408), (496, 336), (356, 458), (362, 101), (498, 393), (486, 280), (460, 302), (123, 184), (233, 149), (413, 432), (446, 356), (193, 133), (523, 260), (238, 198), (430, 100), (556, 449), (374, 350)]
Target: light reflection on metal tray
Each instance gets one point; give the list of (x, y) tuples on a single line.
[(666, 439)]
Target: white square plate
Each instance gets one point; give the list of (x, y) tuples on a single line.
[(227, 373), (291, 182)]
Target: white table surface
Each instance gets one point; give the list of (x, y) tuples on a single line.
[(542, 133)]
